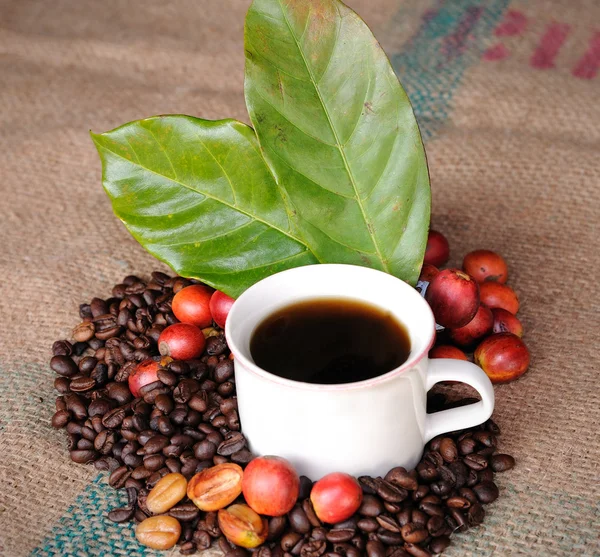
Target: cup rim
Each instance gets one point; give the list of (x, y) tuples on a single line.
[(411, 362)]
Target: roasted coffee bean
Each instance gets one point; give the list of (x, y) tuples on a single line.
[(234, 442), (412, 533), (200, 537), (476, 514), (164, 403), (371, 506), (76, 406), (79, 348), (404, 516), (392, 507), (185, 390), (154, 462), (156, 391), (141, 473), (216, 345), (427, 471), (139, 422), (431, 509), (83, 456), (307, 506), (502, 462), (119, 392), (85, 445), (61, 418), (441, 488), (114, 418), (460, 471), (106, 464), (390, 538), (340, 535), (187, 548), (62, 348), (105, 441), (88, 432), (220, 421), (156, 477), (313, 548), (165, 426), (82, 384), (173, 450), (485, 438), (154, 445), (298, 520), (83, 332), (211, 414), (486, 491), (223, 371), (467, 446), (73, 428), (390, 492), (305, 487), (118, 477), (475, 461), (192, 418), (375, 549), (485, 475), (434, 457), (182, 439), (64, 365), (468, 494), (167, 377), (277, 526), (87, 364), (319, 533), (368, 484), (459, 519), (121, 515), (100, 374), (208, 385), (368, 525), (458, 502), (97, 307), (416, 550), (185, 512), (473, 478), (226, 389), (436, 526), (400, 477), (60, 403), (388, 523), (233, 420), (419, 518), (439, 544), (61, 384), (132, 460), (448, 449)]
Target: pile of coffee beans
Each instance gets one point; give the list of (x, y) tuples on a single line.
[(187, 421)]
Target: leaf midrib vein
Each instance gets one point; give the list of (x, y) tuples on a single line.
[(333, 130), (233, 207)]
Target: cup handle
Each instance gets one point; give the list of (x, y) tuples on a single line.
[(446, 369)]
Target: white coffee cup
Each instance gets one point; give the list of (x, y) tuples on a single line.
[(367, 427)]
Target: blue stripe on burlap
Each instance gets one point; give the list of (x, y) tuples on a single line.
[(85, 530), (431, 66)]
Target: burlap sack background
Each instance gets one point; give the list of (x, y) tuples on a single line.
[(507, 94)]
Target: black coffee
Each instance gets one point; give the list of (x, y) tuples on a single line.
[(329, 341)]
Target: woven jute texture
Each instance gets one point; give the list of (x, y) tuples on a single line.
[(508, 97)]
